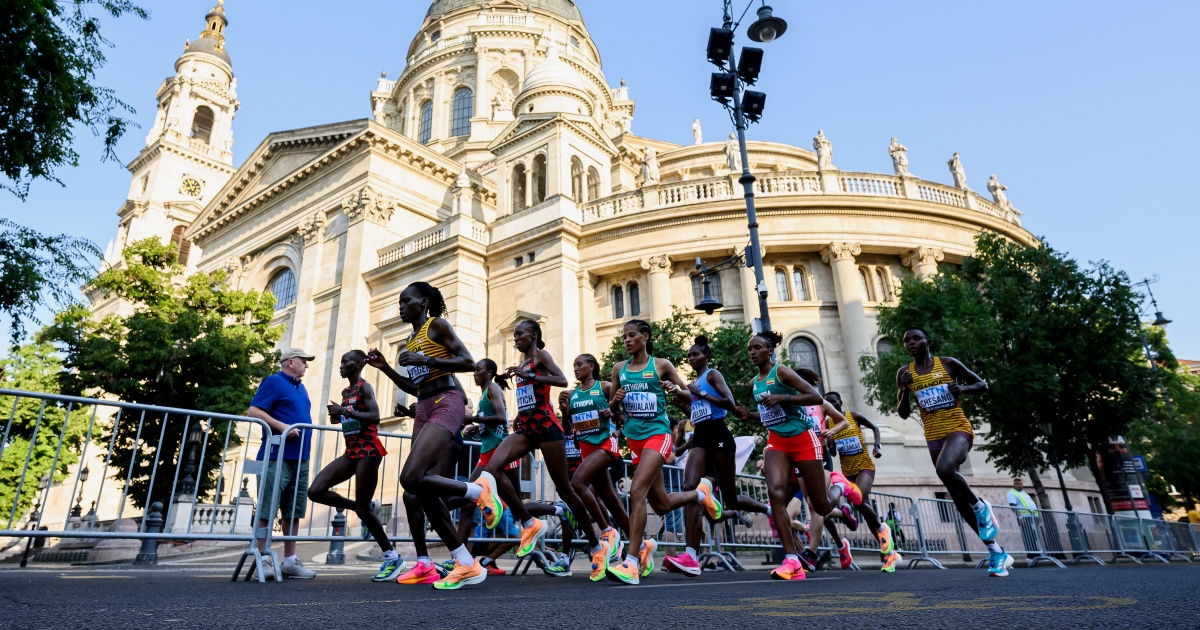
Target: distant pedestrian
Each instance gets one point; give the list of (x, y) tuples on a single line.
[(1026, 514), (282, 401)]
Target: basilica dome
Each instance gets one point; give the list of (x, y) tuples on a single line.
[(561, 8)]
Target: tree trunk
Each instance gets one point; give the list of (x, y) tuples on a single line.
[(1099, 476), (1034, 478)]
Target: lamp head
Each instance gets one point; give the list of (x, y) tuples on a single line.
[(83, 474), (1159, 320), (767, 28), (708, 303)]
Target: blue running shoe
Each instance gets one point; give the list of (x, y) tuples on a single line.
[(998, 564), (986, 522), (389, 570)]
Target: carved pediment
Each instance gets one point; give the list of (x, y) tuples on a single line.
[(367, 203), (531, 125)]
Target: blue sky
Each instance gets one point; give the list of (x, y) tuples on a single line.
[(1085, 110)]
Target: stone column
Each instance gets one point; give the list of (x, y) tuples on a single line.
[(660, 285), (587, 311), (923, 261), (749, 295), (483, 100), (856, 331)]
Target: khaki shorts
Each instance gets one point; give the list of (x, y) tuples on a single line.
[(293, 486)]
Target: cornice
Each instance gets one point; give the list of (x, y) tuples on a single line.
[(159, 146)]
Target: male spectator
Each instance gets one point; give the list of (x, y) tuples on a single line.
[(282, 401), (1026, 514)]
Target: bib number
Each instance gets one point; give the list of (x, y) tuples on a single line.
[(586, 422), (641, 405), (418, 373), (771, 416), (526, 399), (935, 398), (351, 427), (850, 446), (701, 411), (572, 449)]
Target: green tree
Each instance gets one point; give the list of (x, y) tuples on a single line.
[(191, 343), (36, 427), (672, 337), (49, 54), (1053, 340), (38, 270)]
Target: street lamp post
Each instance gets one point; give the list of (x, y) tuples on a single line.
[(1072, 521)]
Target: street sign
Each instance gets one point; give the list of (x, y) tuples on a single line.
[(1139, 463)]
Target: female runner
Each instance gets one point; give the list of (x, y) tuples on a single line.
[(933, 381), (644, 383), (793, 441), (358, 416), (432, 355)]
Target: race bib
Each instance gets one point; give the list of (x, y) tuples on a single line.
[(701, 411), (586, 422), (526, 400), (351, 427), (572, 449), (935, 398), (418, 373), (850, 445), (771, 416), (641, 405)]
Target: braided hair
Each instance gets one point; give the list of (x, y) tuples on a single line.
[(595, 365), (492, 369), (644, 328), (437, 304)]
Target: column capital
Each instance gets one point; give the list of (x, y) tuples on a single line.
[(840, 251), (367, 203), (312, 228), (588, 278), (922, 256), (660, 263)]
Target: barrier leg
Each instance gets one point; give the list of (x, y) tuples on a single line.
[(914, 512), (1041, 549), (1083, 552)]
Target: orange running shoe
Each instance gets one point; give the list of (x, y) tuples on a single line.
[(489, 501), (886, 544), (625, 573), (530, 537), (600, 561), (711, 505), (646, 556), (889, 564), (613, 538), (461, 576)]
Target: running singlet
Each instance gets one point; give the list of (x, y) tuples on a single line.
[(362, 440), (422, 344), (645, 402), (940, 412), (785, 420), (851, 447), (586, 405), (491, 435), (534, 413), (702, 410)]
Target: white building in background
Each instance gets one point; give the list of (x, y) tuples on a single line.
[(501, 166)]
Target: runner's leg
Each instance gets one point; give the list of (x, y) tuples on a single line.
[(366, 478)]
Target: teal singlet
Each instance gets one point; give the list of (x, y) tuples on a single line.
[(785, 420), (491, 434), (645, 402), (586, 405)]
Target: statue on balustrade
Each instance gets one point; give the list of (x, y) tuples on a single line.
[(824, 150), (697, 134), (733, 153), (899, 155), (502, 102), (650, 167), (957, 172), (997, 189)]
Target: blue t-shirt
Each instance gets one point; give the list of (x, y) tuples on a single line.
[(286, 400)]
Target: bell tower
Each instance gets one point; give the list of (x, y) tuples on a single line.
[(189, 151)]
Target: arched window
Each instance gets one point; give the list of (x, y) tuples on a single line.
[(435, 36), (283, 287), (518, 187), (714, 287), (802, 352), (798, 284), (573, 42), (635, 300), (865, 282), (181, 245), (618, 302), (593, 184), (577, 180), (460, 114), (884, 288), (883, 347), (539, 179), (426, 127), (781, 285), (202, 124)]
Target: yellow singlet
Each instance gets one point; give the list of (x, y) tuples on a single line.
[(422, 344), (851, 447), (940, 412)]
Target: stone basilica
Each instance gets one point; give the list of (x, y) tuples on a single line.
[(501, 166)]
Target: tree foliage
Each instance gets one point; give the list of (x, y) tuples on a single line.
[(1170, 437), (36, 427), (39, 270), (1055, 342), (50, 51), (191, 342)]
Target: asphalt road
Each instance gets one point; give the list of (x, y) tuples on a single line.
[(201, 595)]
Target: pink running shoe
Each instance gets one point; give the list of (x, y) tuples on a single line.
[(848, 516), (683, 563), (421, 573), (789, 570), (844, 557)]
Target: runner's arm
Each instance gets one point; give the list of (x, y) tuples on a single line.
[(840, 421), (717, 380), (808, 394), (959, 372), (669, 375), (618, 395), (496, 396), (442, 332), (903, 378), (371, 415), (553, 376), (863, 422), (375, 359)]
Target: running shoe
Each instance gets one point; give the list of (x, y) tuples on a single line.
[(615, 546), (886, 544), (600, 560), (823, 559), (568, 517), (421, 573), (987, 526), (626, 573), (389, 570), (297, 571), (848, 517), (808, 560), (489, 501), (530, 537), (712, 506), (844, 557), (444, 567), (462, 576), (646, 556), (999, 563), (746, 520), (560, 568), (789, 570), (683, 563), (853, 493), (889, 563), (492, 569)]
